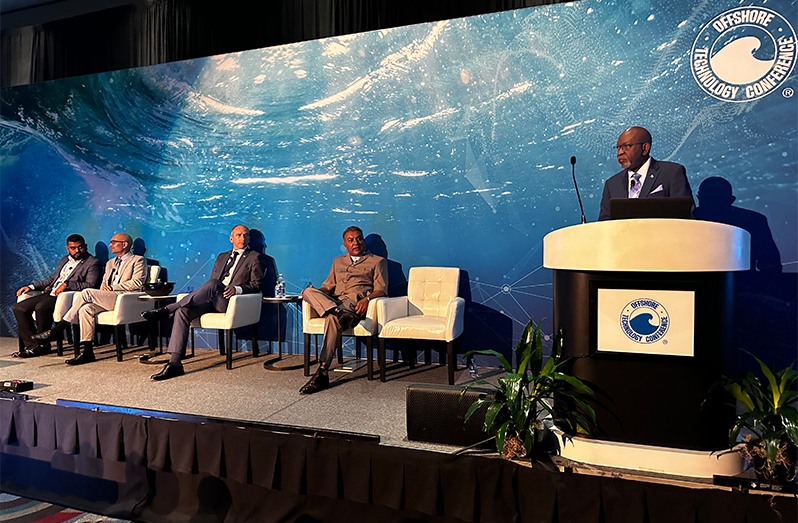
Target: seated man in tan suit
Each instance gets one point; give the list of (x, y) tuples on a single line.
[(125, 273), (343, 299)]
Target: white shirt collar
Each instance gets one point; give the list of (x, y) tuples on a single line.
[(643, 171)]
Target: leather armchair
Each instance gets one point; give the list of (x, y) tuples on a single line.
[(430, 311), (313, 324), (243, 310)]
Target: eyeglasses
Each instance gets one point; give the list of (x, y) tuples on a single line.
[(117, 241), (626, 146)]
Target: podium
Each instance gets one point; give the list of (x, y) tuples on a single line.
[(648, 303)]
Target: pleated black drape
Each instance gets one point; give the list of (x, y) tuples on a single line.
[(158, 31)]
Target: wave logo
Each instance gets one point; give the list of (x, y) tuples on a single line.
[(645, 320), (743, 54)]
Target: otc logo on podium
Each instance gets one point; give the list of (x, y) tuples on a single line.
[(645, 321), (744, 54)]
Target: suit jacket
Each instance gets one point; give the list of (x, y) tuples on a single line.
[(85, 276), (671, 176), (354, 281), (133, 273), (250, 273)]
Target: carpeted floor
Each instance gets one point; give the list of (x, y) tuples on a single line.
[(14, 509)]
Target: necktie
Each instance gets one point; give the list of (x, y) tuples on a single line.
[(229, 265), (113, 273), (634, 189)]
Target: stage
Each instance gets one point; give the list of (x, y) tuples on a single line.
[(324, 464)]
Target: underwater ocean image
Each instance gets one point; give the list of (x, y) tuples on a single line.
[(449, 140)]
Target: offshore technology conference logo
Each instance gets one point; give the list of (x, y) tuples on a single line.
[(645, 321), (744, 54)]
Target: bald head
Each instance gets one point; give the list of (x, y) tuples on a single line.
[(121, 243), (634, 146)]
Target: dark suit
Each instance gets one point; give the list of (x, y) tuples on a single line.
[(250, 273), (86, 275), (671, 176)]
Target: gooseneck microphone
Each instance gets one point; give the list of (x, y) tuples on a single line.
[(573, 174)]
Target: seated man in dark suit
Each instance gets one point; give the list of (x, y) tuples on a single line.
[(343, 299), (239, 271), (642, 176), (76, 271)]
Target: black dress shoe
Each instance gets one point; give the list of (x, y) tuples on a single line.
[(318, 382), (156, 314), (170, 370), (49, 335), (84, 357), (27, 352), (37, 350)]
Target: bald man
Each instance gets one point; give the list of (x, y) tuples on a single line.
[(124, 273), (642, 176)]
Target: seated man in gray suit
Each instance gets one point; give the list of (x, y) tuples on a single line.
[(238, 271), (125, 273), (76, 271), (642, 176)]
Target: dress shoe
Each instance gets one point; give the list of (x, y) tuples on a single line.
[(319, 381), (53, 334), (156, 314), (35, 350), (84, 357), (170, 370)]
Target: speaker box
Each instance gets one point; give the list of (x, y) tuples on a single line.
[(436, 414)]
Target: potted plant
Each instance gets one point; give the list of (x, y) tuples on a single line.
[(770, 417), (533, 398)]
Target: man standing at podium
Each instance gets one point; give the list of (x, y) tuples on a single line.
[(642, 176)]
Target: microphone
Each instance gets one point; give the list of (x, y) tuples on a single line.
[(573, 174)]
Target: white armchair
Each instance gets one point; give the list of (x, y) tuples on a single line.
[(430, 311), (243, 310), (62, 304), (313, 324), (128, 310)]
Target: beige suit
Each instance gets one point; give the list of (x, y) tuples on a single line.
[(89, 303)]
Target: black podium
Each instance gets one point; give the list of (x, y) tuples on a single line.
[(648, 302)]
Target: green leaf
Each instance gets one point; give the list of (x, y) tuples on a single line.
[(774, 386), (501, 434), (575, 383), (771, 442), (491, 413), (740, 395), (490, 352), (789, 418), (479, 402)]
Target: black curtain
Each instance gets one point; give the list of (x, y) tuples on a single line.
[(158, 31)]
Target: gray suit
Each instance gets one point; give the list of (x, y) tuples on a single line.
[(249, 273), (132, 273), (84, 276)]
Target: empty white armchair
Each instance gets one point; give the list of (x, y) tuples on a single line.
[(313, 324), (128, 310), (243, 310), (430, 311)]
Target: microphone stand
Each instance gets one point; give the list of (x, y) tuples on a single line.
[(573, 175)]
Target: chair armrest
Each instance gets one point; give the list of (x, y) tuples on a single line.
[(62, 304), (391, 308), (454, 318), (308, 313), (128, 309), (30, 294), (242, 310)]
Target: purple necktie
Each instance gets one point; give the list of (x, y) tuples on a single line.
[(634, 190)]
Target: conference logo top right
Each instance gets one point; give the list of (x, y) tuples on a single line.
[(744, 54)]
